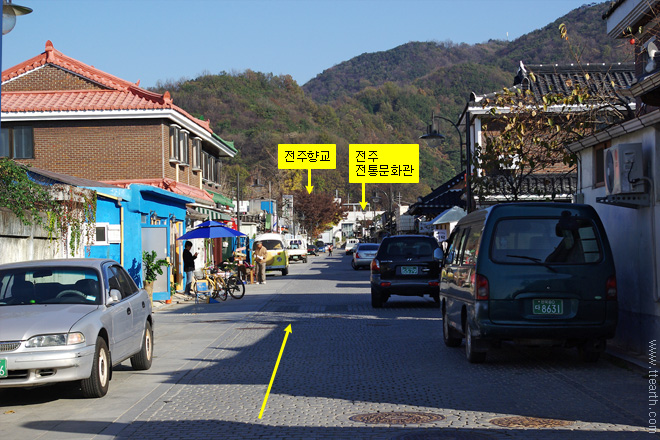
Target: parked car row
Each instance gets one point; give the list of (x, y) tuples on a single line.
[(532, 273)]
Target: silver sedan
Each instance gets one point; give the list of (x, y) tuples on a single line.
[(71, 320), (363, 254)]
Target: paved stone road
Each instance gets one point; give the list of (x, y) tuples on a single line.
[(343, 360)]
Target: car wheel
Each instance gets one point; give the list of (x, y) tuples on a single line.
[(285, 271), (142, 360), (354, 266), (376, 299), (474, 357), (448, 333), (436, 300), (590, 351), (304, 260), (96, 385)]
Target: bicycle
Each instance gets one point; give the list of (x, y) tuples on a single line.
[(218, 285)]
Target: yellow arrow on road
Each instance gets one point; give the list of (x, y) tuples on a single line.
[(277, 364)]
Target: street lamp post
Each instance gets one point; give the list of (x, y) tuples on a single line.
[(376, 199), (434, 133)]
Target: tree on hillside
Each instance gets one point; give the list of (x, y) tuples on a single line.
[(317, 211)]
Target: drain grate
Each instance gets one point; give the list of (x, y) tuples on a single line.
[(397, 418), (529, 422)]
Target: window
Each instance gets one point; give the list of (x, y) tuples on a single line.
[(471, 247), (559, 240), (183, 147), (218, 168), (17, 142), (197, 154), (101, 235), (119, 279), (174, 143), (206, 158), (599, 163)]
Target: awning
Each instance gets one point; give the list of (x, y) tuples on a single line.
[(211, 213), (221, 199), (194, 214), (451, 215)]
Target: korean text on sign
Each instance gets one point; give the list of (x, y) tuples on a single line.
[(306, 156), (383, 163)]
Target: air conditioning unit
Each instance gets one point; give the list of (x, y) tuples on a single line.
[(623, 169)]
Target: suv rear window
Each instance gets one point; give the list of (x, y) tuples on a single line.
[(408, 247), (565, 240)]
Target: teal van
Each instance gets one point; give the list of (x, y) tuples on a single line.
[(532, 273)]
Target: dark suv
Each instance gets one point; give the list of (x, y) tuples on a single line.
[(405, 265)]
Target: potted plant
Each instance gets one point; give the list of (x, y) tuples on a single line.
[(153, 266)]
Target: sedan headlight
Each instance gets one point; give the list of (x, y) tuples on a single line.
[(55, 340)]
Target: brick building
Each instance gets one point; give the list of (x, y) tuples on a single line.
[(65, 116)]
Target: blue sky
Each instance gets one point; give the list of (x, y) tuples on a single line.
[(152, 40)]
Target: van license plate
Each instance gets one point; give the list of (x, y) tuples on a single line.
[(548, 306), (3, 368), (408, 270)]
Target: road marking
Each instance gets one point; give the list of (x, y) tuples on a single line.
[(287, 330)]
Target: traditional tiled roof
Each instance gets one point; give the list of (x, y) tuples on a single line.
[(605, 79), (119, 94), (75, 100), (440, 199)]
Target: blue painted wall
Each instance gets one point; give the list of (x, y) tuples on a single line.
[(137, 201)]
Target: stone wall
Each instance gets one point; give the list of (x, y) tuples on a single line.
[(21, 242)]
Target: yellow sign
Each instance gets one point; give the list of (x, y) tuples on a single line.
[(307, 156), (383, 163)]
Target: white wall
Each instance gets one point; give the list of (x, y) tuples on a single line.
[(630, 233)]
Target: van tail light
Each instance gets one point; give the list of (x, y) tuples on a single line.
[(434, 283), (357, 255), (385, 284), (481, 289), (375, 266), (611, 287)]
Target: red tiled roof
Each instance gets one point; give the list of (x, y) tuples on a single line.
[(75, 100), (122, 94), (169, 185)]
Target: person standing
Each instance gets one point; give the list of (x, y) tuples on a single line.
[(260, 255), (188, 265)]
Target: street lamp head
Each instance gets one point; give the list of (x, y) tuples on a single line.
[(9, 13), (432, 135)]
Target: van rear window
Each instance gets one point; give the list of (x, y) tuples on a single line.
[(560, 240)]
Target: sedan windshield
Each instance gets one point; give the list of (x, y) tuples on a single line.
[(49, 285)]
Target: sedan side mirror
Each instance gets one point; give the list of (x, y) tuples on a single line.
[(115, 296), (438, 255)]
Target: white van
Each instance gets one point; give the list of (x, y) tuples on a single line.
[(351, 243)]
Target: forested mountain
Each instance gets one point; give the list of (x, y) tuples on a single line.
[(383, 97)]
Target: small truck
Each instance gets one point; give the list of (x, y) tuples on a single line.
[(297, 250)]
